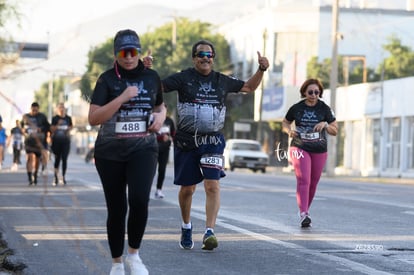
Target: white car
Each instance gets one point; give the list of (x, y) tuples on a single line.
[(245, 153)]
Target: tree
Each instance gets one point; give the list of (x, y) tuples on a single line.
[(168, 58), (42, 95), (318, 70), (400, 63), (100, 59), (7, 11)]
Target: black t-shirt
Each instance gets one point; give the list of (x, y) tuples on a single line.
[(201, 99), (125, 133), (306, 117), (63, 125), (36, 128)]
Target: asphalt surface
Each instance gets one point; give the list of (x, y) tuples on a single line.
[(61, 230)]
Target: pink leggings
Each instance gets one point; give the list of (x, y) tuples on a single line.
[(308, 169)]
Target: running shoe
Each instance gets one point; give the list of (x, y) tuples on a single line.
[(209, 241), (159, 194), (186, 238), (135, 265), (305, 221), (117, 269), (56, 181)]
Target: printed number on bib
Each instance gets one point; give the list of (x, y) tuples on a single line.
[(310, 136), (215, 161), (131, 127)]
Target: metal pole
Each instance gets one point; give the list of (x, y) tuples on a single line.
[(260, 124), (50, 99), (331, 163)]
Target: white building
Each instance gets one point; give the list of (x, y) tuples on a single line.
[(377, 123), (377, 128)]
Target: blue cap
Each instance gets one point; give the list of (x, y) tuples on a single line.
[(126, 39)]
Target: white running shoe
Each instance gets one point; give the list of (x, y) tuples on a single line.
[(117, 269), (159, 194), (14, 167), (135, 265)]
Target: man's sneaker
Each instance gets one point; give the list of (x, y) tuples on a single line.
[(135, 265), (305, 220), (117, 269), (186, 238), (209, 241), (159, 194)]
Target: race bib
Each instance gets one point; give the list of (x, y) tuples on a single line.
[(212, 161), (131, 126), (310, 136), (63, 127), (165, 130)]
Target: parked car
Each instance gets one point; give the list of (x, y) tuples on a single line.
[(245, 153)]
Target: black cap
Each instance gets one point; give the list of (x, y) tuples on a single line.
[(126, 39)]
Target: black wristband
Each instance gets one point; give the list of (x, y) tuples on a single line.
[(261, 69)]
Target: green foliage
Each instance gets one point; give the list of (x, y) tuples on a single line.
[(168, 58), (100, 59), (318, 70), (400, 63), (42, 95), (7, 11)]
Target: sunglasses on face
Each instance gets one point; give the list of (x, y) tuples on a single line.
[(311, 92), (123, 53), (204, 54)]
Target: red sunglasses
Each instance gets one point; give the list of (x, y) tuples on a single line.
[(123, 53)]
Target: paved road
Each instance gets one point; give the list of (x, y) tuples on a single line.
[(359, 227)]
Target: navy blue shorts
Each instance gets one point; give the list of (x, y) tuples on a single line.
[(204, 162)]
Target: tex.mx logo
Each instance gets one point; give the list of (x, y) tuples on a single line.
[(283, 154)]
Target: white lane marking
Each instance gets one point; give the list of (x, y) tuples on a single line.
[(277, 226)]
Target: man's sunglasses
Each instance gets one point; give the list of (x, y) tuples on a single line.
[(123, 53), (311, 92), (204, 54)]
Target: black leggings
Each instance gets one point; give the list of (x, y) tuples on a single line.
[(16, 155), (137, 173), (162, 165), (61, 151)]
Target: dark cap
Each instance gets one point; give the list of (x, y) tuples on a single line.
[(126, 39)]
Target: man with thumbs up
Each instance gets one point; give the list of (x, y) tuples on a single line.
[(198, 142)]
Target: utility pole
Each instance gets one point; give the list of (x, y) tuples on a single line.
[(331, 163), (260, 124)]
